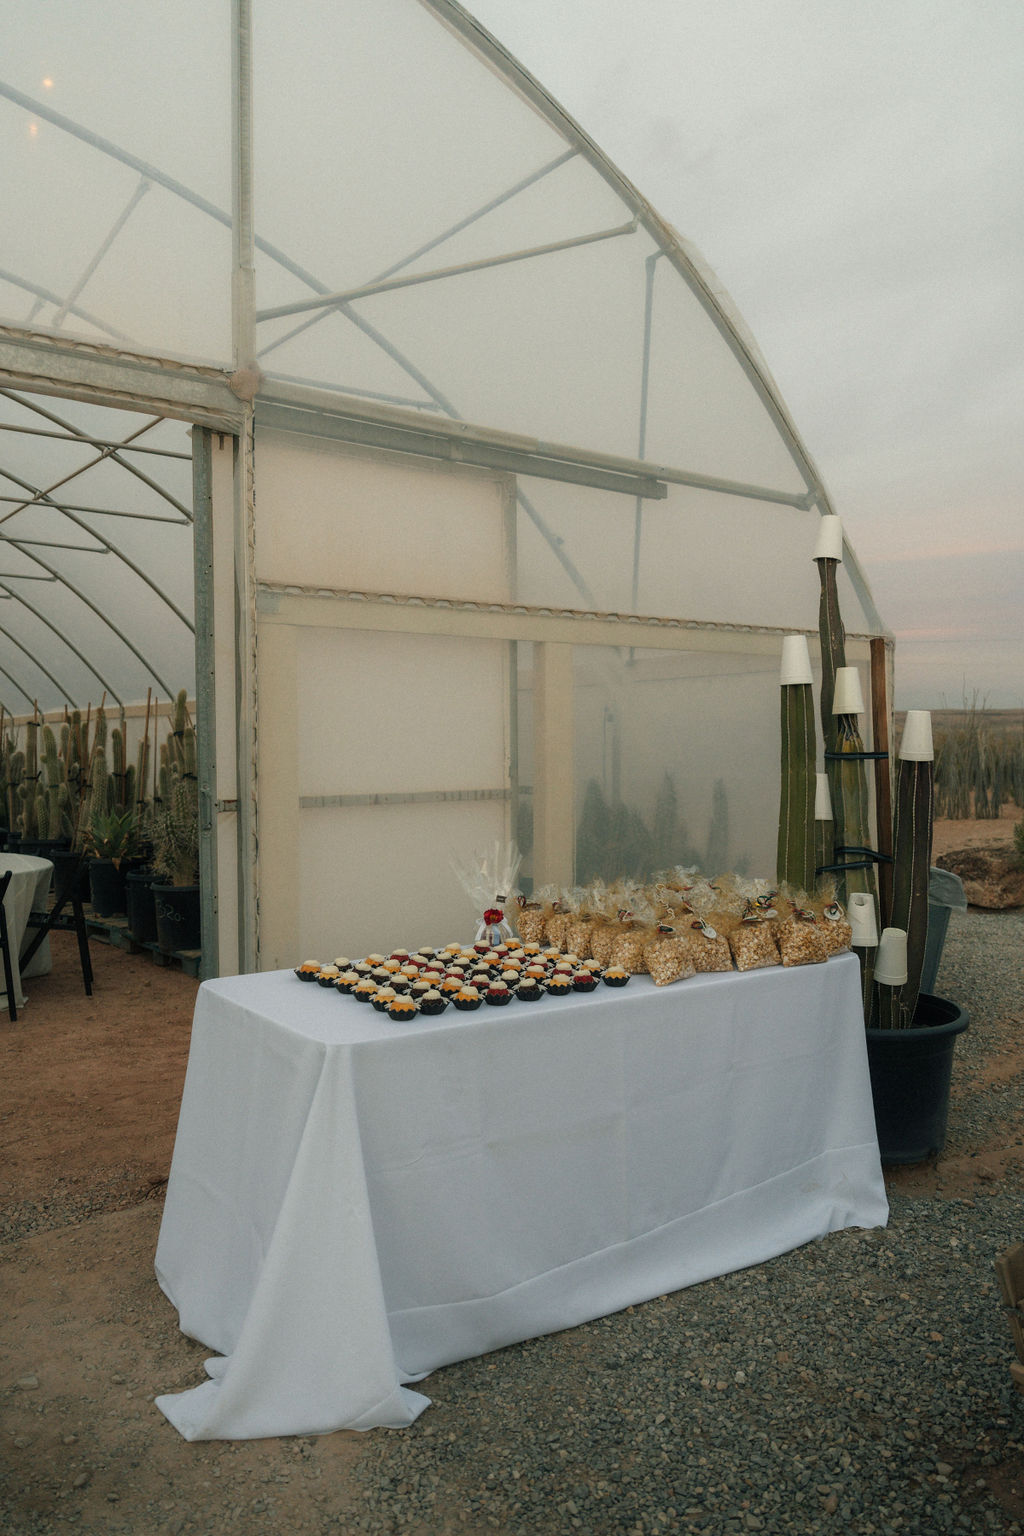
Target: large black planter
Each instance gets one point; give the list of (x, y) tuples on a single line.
[(177, 917), (911, 1071), (64, 861), (141, 906), (106, 887)]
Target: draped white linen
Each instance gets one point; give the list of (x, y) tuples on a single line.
[(354, 1203), (30, 884)]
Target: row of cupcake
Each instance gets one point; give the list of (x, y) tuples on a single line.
[(403, 984)]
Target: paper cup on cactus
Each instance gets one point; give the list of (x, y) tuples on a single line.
[(916, 743), (891, 958), (830, 539), (847, 698), (796, 661), (822, 798), (861, 912)]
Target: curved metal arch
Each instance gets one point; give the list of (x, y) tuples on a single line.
[(18, 597), (36, 662)]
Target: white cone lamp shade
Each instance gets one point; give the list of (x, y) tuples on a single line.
[(830, 539), (891, 958), (822, 798), (796, 661), (847, 698), (916, 744), (864, 925)]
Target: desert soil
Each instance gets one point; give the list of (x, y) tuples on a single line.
[(88, 1109)]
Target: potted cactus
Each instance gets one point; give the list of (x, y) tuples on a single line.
[(910, 1035)]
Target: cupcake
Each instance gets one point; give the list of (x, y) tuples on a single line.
[(498, 994), (362, 968), (419, 990), (375, 959), (347, 981), (433, 1002), (511, 978), (309, 970), (401, 955), (381, 975), (400, 983), (328, 975), (451, 985), (583, 981), (559, 986), (467, 998), (343, 962), (383, 998), (529, 990), (615, 976), (402, 1009), (365, 990)]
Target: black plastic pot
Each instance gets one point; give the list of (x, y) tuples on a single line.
[(106, 887), (44, 847), (61, 861), (177, 917), (911, 1071), (140, 906)]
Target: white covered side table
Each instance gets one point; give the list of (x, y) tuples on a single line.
[(28, 890), (353, 1203)]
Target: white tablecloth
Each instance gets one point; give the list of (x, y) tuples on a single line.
[(353, 1203), (29, 888)]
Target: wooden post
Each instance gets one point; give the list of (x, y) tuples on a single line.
[(883, 774)]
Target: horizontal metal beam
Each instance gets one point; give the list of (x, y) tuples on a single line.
[(317, 608), (105, 376), (92, 442), (453, 449), (414, 797)]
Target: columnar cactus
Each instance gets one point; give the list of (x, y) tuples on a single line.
[(912, 839), (795, 858)]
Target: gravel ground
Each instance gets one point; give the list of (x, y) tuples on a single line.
[(860, 1384)]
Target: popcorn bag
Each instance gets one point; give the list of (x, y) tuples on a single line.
[(801, 940), (666, 957)]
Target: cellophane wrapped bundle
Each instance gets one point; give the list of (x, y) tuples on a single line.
[(580, 925), (667, 957), (637, 930), (800, 938), (752, 941), (529, 920), (489, 882), (831, 920)]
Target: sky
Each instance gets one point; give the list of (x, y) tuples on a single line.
[(853, 171)]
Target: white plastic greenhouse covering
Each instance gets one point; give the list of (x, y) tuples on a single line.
[(348, 385)]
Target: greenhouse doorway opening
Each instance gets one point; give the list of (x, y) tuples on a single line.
[(98, 604)]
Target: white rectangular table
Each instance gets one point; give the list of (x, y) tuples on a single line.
[(28, 890), (353, 1203)]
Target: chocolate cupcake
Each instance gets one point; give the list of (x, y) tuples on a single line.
[(497, 994), (433, 1002), (466, 999), (529, 991)]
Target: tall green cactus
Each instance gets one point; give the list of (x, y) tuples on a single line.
[(795, 853), (28, 789), (912, 853)]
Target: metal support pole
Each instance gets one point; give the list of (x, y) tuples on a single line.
[(206, 696)]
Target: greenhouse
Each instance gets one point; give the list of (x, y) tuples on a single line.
[(348, 386)]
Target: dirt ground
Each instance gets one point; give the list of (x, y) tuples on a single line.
[(89, 1097)]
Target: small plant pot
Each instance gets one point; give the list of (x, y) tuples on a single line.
[(141, 906), (911, 1071), (177, 917), (106, 887)]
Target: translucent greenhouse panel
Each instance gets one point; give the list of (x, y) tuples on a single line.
[(375, 107), (676, 761), (400, 752), (117, 134), (694, 555), (374, 880), (338, 517)]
